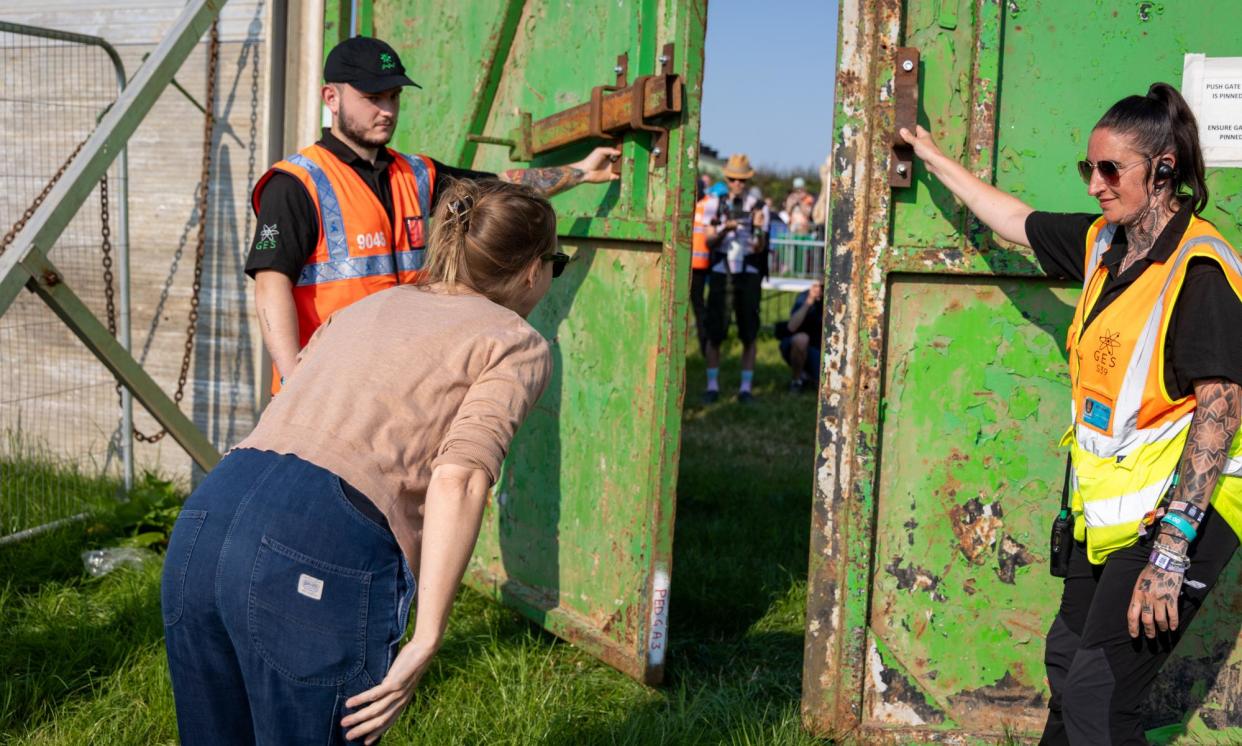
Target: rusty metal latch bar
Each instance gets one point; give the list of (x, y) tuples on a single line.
[(611, 110), (905, 114)]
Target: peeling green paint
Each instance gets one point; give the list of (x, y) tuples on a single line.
[(975, 389)]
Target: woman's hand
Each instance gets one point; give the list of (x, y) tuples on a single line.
[(383, 704), (1154, 602), (924, 146)]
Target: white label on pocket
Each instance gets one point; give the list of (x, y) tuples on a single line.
[(310, 587)]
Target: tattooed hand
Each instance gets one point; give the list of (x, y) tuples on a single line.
[(1154, 603), (595, 168)]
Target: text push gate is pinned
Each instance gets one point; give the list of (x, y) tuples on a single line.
[(945, 392)]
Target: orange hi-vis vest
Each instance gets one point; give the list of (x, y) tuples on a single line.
[(701, 258), (1128, 433), (360, 251)]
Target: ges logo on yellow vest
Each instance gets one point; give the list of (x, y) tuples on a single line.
[(375, 240)]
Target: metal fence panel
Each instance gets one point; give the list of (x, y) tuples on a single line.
[(938, 473), (165, 154), (62, 434)]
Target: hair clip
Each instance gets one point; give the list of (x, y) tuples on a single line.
[(460, 210)]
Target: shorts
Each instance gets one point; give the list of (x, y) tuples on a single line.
[(746, 289)]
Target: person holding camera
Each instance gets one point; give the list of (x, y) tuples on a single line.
[(737, 238), (1156, 385)]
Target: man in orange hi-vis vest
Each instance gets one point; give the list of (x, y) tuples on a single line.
[(346, 217)]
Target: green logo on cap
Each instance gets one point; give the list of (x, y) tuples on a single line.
[(386, 61)]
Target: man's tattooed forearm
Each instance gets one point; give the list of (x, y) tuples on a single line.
[(549, 181), (1218, 411)]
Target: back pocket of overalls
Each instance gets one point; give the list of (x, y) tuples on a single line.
[(177, 561), (308, 618)]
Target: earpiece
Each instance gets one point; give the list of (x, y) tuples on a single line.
[(1165, 171)]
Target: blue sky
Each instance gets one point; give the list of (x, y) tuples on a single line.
[(768, 80)]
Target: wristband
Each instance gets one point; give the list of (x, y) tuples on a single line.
[(1167, 562), (1181, 523), (1193, 512), (1169, 551)]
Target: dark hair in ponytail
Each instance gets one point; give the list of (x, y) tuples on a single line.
[(1162, 122)]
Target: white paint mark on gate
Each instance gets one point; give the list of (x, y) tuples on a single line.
[(657, 641)]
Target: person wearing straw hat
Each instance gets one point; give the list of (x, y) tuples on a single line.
[(738, 243)]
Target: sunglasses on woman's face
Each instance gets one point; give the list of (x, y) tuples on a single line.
[(559, 260), (1110, 171)]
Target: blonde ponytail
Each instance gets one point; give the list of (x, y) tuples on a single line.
[(484, 234)]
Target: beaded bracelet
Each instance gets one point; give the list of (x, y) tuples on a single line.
[(1181, 523), (1193, 512)]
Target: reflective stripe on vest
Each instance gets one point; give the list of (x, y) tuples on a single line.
[(1128, 436), (340, 265)]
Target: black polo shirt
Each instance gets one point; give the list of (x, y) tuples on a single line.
[(288, 223), (1203, 330)]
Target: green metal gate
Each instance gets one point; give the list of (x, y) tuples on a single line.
[(578, 533), (945, 394)]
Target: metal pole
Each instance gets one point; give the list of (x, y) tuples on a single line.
[(123, 328)]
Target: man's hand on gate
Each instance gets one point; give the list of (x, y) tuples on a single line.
[(596, 168)]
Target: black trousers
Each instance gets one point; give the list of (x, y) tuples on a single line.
[(1098, 674), (698, 304)]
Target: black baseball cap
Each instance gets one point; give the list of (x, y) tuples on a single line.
[(367, 64)]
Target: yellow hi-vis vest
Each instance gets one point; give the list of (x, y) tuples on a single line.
[(1128, 434)]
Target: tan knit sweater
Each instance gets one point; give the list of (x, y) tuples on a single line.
[(400, 382)]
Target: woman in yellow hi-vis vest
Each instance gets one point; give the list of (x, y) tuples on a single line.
[(1155, 374)]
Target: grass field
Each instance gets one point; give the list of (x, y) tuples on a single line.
[(83, 659)]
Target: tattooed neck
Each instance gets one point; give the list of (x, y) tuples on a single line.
[(548, 181), (1141, 235)]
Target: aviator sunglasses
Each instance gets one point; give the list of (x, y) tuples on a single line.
[(1110, 171), (559, 260)]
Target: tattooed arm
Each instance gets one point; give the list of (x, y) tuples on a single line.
[(595, 168), (1217, 414)]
